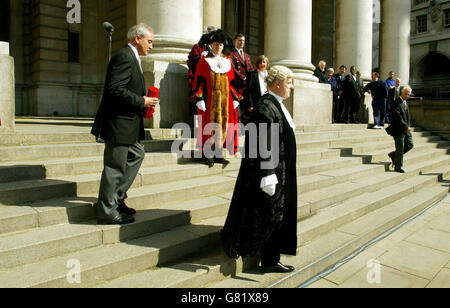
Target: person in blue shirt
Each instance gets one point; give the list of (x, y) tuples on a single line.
[(390, 81), (380, 93)]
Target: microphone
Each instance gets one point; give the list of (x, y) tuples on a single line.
[(108, 27)]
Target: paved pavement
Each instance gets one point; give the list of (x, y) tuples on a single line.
[(415, 256)]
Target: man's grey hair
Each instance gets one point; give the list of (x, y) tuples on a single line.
[(408, 89), (330, 70), (138, 30)]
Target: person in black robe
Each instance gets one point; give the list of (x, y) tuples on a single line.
[(263, 213)]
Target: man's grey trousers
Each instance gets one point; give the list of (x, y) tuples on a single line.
[(121, 166)]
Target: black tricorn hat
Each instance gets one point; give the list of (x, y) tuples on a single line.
[(218, 36)]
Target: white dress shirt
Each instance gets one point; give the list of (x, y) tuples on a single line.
[(285, 111), (136, 53), (262, 82)]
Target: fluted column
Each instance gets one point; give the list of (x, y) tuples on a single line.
[(394, 38), (212, 13), (354, 33), (288, 38), (177, 25)]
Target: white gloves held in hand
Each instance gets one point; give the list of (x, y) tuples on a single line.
[(269, 184), (202, 106)]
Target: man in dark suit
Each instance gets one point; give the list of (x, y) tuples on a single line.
[(242, 64), (400, 129), (340, 78), (394, 93), (352, 96), (119, 122), (321, 73)]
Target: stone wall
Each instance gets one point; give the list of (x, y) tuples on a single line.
[(432, 115)]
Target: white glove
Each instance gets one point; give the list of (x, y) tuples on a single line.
[(201, 105), (269, 184), (236, 104), (205, 53)]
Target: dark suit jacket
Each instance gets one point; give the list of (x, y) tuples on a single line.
[(339, 83), (119, 118), (252, 93), (321, 75), (241, 68), (399, 117), (351, 88), (392, 94)]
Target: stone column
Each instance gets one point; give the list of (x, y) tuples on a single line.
[(394, 38), (177, 25), (7, 101), (288, 40), (212, 13), (354, 32)]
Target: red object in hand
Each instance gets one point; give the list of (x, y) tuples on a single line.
[(153, 93)]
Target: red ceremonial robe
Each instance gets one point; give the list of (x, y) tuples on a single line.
[(214, 85)]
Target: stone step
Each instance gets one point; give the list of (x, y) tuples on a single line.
[(57, 151), (415, 156), (107, 262), (329, 135), (215, 267), (52, 168), (390, 146), (325, 251), (311, 202)]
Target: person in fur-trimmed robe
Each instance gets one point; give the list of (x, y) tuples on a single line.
[(217, 101), (262, 218)]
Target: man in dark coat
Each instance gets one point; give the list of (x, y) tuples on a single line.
[(340, 78), (263, 214), (242, 64), (394, 93), (119, 122), (400, 129), (321, 73), (352, 96)]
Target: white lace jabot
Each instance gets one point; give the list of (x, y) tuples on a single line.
[(219, 64)]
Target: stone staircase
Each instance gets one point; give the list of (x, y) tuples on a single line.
[(49, 182)]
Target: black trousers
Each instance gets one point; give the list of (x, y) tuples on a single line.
[(403, 144), (270, 252)]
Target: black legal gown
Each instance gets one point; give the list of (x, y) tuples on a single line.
[(254, 216)]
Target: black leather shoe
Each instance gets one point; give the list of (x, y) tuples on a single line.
[(391, 156), (118, 220), (278, 268), (124, 209), (210, 162), (400, 170), (222, 161)]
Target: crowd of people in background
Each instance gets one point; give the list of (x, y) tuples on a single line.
[(349, 89)]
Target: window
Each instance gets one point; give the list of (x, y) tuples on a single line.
[(74, 47), (447, 18), (422, 26)]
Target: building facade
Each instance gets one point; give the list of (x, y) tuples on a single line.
[(60, 66), (430, 48)]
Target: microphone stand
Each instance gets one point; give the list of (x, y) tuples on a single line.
[(110, 44)]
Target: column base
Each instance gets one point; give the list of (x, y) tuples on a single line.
[(172, 80), (311, 103)]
